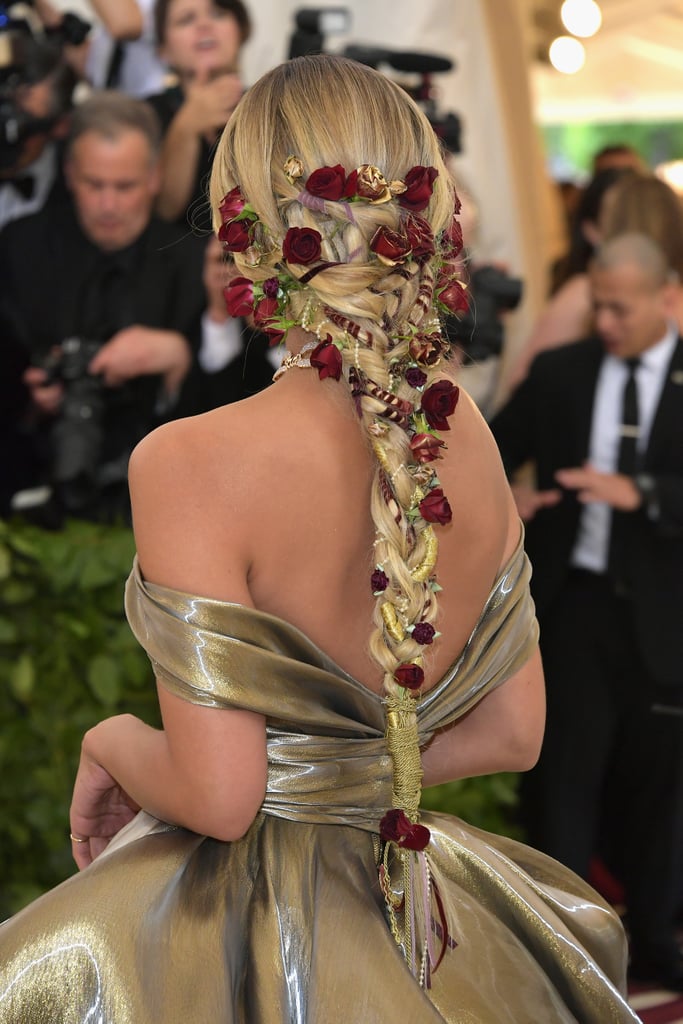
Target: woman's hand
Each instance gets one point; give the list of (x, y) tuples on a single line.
[(99, 806)]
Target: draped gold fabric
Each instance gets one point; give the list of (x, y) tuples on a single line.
[(288, 924)]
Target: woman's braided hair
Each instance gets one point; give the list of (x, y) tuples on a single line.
[(328, 111)]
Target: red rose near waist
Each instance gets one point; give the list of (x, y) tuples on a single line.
[(396, 827)]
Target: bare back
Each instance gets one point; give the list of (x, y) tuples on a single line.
[(267, 503)]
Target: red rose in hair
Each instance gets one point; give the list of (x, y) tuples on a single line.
[(351, 186), (302, 245), (411, 677), (265, 311), (379, 581), (239, 297), (390, 246), (235, 235), (396, 827), (425, 447), (415, 377), (426, 348), (439, 402), (423, 633), (419, 187), (232, 205), (451, 294), (327, 182), (435, 508), (327, 360), (453, 240), (421, 237)]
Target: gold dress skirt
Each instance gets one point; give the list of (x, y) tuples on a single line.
[(288, 924)]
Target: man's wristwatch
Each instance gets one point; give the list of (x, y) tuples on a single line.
[(647, 488)]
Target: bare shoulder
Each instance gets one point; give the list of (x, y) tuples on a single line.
[(186, 480)]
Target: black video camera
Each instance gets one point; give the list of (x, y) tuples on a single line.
[(313, 23), (479, 332), (77, 435)]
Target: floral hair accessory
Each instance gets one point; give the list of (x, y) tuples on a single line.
[(238, 222), (396, 827), (365, 182), (435, 508), (409, 676), (302, 245), (379, 581), (327, 359), (439, 402), (293, 169), (423, 633)]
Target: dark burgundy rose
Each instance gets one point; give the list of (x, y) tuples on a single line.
[(302, 245), (265, 311), (351, 186), (415, 377), (275, 335), (420, 237), (270, 288), (396, 827), (425, 447), (435, 508), (327, 182), (419, 187), (451, 294), (379, 581), (457, 205), (410, 677), (439, 402), (235, 235), (423, 633), (426, 348), (232, 205), (239, 297), (391, 247), (327, 360), (452, 240)]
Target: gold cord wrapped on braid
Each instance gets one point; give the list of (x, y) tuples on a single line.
[(404, 748)]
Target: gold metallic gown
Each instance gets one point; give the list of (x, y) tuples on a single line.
[(288, 924)]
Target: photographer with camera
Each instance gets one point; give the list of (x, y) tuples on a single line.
[(111, 329), (36, 88)]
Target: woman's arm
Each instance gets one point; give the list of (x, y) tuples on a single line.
[(207, 107), (122, 19), (502, 733), (205, 770)]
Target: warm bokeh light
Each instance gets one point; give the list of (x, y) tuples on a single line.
[(581, 17), (567, 55)]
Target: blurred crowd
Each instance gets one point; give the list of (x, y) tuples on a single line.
[(112, 314), (112, 320)]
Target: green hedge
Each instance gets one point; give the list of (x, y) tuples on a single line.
[(67, 660)]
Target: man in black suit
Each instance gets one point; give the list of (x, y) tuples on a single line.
[(602, 420), (126, 286)]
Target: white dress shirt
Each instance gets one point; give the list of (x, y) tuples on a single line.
[(592, 543)]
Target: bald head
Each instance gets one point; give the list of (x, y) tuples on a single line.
[(637, 251)]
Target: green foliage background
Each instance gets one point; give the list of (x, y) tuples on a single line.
[(577, 142), (67, 660)]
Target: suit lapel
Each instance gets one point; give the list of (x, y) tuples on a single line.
[(668, 415)]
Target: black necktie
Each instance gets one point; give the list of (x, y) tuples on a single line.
[(626, 463), (24, 184)]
